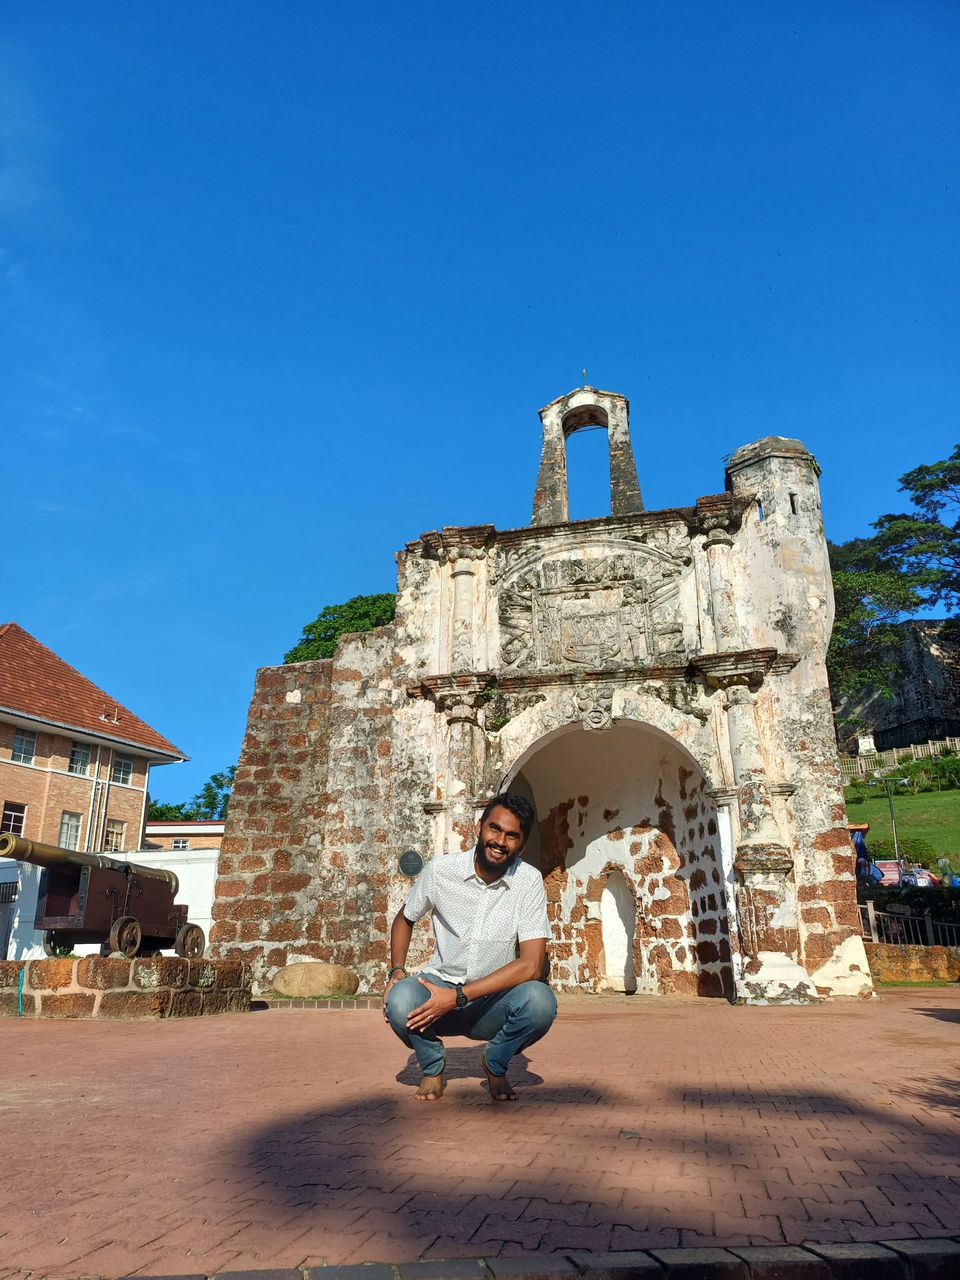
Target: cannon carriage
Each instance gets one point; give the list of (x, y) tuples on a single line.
[(91, 897)]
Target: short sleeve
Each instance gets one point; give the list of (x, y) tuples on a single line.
[(420, 898), (532, 922)]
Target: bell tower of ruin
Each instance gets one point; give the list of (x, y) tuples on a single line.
[(585, 407)]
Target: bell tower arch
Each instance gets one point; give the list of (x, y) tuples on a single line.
[(585, 407)]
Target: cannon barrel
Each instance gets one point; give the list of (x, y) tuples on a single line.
[(52, 855)]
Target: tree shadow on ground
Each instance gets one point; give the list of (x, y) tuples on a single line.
[(941, 1015), (383, 1178)]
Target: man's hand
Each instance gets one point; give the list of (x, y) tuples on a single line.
[(442, 1000), (391, 983)]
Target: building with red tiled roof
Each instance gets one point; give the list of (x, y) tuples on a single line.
[(74, 762)]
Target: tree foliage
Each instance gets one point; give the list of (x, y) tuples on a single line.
[(925, 542), (362, 613), (911, 562), (208, 805)]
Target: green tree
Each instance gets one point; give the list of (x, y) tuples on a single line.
[(871, 598), (925, 543), (362, 613), (208, 805)]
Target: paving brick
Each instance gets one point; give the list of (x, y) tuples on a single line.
[(443, 1269), (929, 1259), (616, 1266), (259, 1275), (702, 1264), (554, 1267), (783, 1262), (364, 1271), (856, 1261)]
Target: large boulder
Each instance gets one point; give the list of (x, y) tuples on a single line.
[(311, 978)]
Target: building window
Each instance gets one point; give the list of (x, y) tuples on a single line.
[(179, 842), (113, 836), (24, 746), (13, 818), (80, 758), (69, 830), (122, 769)]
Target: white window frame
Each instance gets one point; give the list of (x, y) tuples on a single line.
[(18, 755), (65, 814), (114, 834), (22, 815), (126, 761), (179, 843), (87, 752)]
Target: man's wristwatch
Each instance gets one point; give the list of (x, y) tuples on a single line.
[(462, 1000)]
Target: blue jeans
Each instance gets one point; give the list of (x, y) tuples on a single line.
[(509, 1020)]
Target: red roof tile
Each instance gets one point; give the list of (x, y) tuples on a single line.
[(35, 682)]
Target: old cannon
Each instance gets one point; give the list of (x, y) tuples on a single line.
[(90, 897)]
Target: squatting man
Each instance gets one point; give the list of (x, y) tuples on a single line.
[(489, 915)]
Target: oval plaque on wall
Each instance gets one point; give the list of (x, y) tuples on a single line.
[(411, 864)]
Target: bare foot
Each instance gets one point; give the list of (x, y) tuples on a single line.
[(431, 1089), (499, 1086)]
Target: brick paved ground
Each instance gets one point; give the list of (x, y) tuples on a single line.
[(272, 1140)]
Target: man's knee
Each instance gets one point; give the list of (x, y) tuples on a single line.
[(536, 1003), (407, 995)]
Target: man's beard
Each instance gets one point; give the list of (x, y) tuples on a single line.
[(495, 869)]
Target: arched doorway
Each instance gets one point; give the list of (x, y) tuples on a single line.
[(629, 848)]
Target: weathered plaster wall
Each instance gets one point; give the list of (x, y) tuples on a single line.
[(627, 803), (656, 680)]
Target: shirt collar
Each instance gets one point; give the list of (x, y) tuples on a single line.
[(506, 879)]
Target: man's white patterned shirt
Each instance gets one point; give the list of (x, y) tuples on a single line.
[(477, 926)]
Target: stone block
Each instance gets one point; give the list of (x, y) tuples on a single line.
[(313, 978), (214, 1002), (10, 1005), (360, 1271), (49, 975), (72, 1004), (229, 974), (616, 1266), (134, 1004), (260, 1275), (928, 1259), (782, 1262), (10, 974), (547, 1267), (862, 1262), (160, 971), (185, 1004), (103, 973), (702, 1264), (201, 975)]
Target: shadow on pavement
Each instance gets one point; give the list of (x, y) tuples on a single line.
[(382, 1178), (464, 1064)]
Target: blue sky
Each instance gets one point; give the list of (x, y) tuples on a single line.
[(283, 285)]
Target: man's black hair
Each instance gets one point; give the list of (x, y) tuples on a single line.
[(519, 806)]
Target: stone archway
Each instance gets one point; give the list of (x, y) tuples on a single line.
[(628, 839)]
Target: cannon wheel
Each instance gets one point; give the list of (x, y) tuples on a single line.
[(190, 942), (52, 946), (126, 936)]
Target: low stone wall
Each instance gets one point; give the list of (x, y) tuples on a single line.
[(110, 987), (913, 964)]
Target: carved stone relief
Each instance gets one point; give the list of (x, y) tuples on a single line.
[(600, 612)]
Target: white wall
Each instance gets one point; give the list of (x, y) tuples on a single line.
[(196, 870)]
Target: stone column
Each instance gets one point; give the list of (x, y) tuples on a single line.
[(723, 605), (625, 497), (461, 550), (465, 745), (764, 892)]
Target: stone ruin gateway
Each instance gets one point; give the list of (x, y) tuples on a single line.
[(653, 680)]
